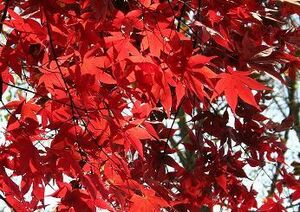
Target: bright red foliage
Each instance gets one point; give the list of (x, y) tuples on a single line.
[(105, 75)]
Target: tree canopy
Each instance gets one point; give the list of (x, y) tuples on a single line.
[(143, 105)]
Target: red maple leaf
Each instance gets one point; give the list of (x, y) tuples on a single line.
[(237, 84)]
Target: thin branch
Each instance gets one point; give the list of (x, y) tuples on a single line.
[(58, 66), (292, 206), (71, 98), (1, 82), (46, 97), (169, 135), (4, 15), (1, 30), (7, 203)]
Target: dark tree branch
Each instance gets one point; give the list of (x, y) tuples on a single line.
[(1, 81), (6, 202), (1, 30)]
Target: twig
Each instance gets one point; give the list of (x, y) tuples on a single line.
[(6, 202), (4, 15), (291, 206), (1, 82), (1, 30)]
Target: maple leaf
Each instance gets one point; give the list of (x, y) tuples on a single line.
[(157, 41), (147, 202), (222, 182), (214, 17), (271, 205), (95, 66), (237, 84)]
